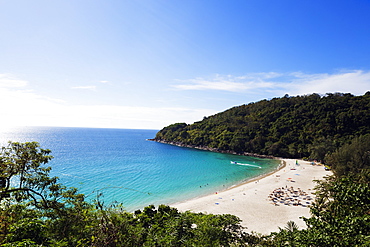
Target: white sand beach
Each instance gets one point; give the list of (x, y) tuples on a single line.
[(251, 202)]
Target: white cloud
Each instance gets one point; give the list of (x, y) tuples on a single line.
[(259, 76), (20, 107), (356, 82), (10, 81), (113, 116), (227, 83), (296, 83), (104, 81), (93, 88), (28, 109)]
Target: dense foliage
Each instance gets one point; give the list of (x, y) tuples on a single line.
[(296, 127), (352, 158)]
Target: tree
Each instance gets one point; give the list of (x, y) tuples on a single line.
[(21, 172), (341, 214), (320, 148), (352, 157), (31, 200)]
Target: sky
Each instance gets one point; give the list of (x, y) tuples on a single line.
[(146, 64)]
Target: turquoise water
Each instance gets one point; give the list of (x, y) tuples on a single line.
[(126, 168)]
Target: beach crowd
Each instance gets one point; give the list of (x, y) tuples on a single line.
[(290, 197)]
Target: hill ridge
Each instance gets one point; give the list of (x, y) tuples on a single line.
[(294, 127)]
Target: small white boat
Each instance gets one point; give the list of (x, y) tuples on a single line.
[(237, 163)]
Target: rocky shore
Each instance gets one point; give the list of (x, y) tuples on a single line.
[(180, 144)]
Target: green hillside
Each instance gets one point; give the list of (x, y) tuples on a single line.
[(295, 127)]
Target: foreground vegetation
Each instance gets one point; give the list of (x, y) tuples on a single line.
[(35, 210)]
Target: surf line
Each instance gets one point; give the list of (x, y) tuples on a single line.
[(242, 164)]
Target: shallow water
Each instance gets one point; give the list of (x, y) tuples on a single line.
[(126, 168)]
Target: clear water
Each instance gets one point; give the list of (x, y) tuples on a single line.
[(126, 168)]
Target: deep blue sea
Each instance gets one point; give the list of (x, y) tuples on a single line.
[(126, 168)]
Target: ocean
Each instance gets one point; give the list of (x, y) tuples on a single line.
[(124, 167)]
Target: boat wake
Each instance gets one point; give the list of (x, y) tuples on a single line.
[(242, 164)]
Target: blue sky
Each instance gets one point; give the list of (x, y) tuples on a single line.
[(148, 63)]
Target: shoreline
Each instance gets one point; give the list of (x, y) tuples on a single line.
[(241, 183), (251, 200), (281, 166), (216, 150)]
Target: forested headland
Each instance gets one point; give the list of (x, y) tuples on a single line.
[(308, 126)]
